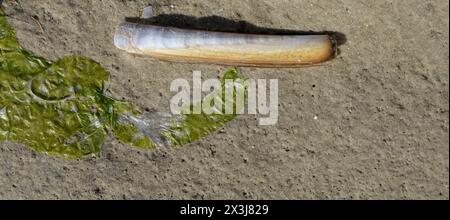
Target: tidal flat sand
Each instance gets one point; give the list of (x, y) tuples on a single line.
[(371, 124)]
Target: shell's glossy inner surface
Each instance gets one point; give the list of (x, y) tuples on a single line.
[(223, 48), (61, 108)]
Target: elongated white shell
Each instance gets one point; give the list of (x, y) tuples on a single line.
[(176, 44)]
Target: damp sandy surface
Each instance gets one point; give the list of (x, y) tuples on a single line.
[(372, 124)]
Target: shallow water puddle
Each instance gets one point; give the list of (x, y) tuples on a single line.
[(62, 108)]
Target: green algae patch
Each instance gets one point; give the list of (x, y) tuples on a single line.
[(192, 127), (61, 108)]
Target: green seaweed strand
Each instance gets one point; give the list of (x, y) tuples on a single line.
[(60, 108)]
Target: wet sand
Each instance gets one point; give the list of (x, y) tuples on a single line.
[(371, 124)]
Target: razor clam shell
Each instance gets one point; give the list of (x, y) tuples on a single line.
[(175, 44)]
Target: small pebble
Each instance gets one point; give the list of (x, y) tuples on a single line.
[(148, 12)]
